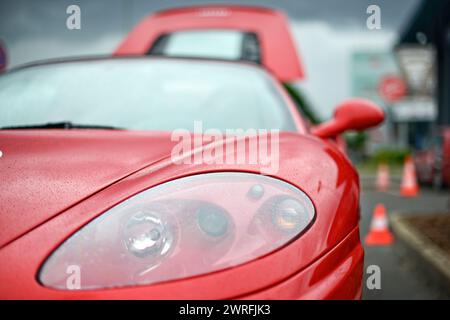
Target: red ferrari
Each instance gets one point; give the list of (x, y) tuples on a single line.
[(98, 202), (255, 34)]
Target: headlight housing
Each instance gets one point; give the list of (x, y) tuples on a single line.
[(182, 228)]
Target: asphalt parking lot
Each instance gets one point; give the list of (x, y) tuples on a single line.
[(401, 276)]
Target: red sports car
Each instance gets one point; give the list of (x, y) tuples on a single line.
[(98, 202), (228, 32)]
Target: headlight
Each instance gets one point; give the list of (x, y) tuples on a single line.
[(186, 227)]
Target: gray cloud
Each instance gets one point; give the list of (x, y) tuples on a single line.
[(46, 18)]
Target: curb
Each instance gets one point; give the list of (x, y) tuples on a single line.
[(432, 257)]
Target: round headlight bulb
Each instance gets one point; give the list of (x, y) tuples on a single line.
[(290, 215), (145, 235), (212, 220)]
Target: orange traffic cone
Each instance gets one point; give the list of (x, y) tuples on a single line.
[(409, 186), (379, 234), (382, 183)]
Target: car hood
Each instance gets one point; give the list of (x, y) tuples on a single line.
[(45, 172)]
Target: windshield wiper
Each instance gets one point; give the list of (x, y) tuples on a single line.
[(60, 125)]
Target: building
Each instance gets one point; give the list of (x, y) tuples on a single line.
[(429, 31)]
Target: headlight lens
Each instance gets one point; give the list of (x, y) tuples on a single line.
[(186, 227)]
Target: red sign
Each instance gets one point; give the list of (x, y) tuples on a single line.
[(3, 60), (392, 88)]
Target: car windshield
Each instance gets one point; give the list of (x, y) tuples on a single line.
[(144, 94)]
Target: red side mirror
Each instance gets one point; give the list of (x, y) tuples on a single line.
[(352, 114)]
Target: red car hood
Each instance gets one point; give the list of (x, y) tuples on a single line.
[(45, 172)]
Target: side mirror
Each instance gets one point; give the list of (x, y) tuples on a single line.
[(352, 114)]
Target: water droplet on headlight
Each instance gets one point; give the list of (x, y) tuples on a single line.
[(146, 234)]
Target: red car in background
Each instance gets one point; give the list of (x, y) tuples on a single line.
[(240, 33), (95, 206), (433, 163)]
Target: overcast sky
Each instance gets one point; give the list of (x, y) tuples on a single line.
[(326, 33)]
